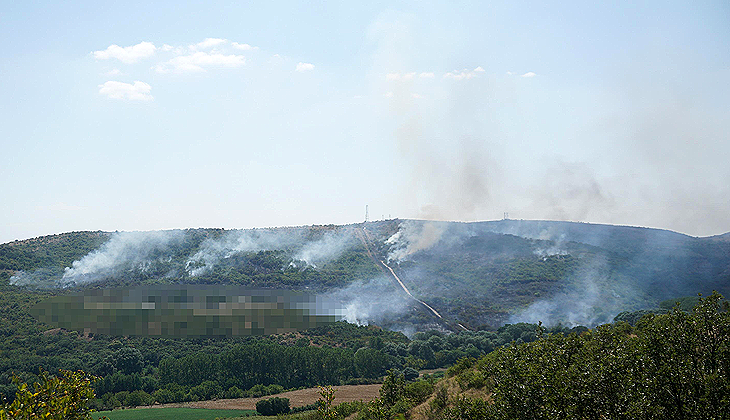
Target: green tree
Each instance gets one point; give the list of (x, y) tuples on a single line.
[(129, 360), (273, 406), (393, 388), (53, 398), (324, 403), (370, 363)]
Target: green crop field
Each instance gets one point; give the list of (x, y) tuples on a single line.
[(173, 413)]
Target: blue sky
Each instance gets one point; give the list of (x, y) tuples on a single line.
[(138, 116)]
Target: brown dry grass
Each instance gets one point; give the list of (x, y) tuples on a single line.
[(344, 393), (423, 411)]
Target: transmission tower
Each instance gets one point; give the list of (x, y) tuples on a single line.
[(367, 216)]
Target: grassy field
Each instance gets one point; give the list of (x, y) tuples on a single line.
[(173, 413)]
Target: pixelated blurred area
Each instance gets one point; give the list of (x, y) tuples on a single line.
[(187, 311)]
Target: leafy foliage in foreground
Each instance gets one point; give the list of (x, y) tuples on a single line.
[(53, 398), (675, 365), (397, 396)]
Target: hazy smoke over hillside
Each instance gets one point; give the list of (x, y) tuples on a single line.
[(124, 251), (413, 236), (129, 252), (213, 251), (592, 294), (295, 241), (582, 302), (136, 252), (573, 273), (327, 248), (372, 301)]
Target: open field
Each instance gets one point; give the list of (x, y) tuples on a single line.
[(171, 413), (343, 393)]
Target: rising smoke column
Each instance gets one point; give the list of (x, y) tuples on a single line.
[(370, 301), (414, 236), (295, 242), (124, 250), (212, 251)]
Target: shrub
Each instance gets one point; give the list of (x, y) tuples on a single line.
[(207, 390), (273, 406), (138, 397), (345, 409), (410, 374), (471, 379), (274, 389), (301, 409), (234, 392), (164, 396), (68, 397), (466, 408), (418, 392)]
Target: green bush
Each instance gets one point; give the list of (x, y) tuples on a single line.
[(139, 397), (207, 390), (418, 391), (233, 392), (471, 379), (164, 396), (122, 396), (675, 365), (67, 397), (465, 408), (410, 374), (345, 409), (273, 406), (274, 389)]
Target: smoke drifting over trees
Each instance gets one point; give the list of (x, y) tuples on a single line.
[(482, 273)]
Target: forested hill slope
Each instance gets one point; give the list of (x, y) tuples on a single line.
[(49, 251), (480, 273)]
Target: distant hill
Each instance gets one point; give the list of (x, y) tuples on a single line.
[(477, 274), (574, 273), (725, 237)]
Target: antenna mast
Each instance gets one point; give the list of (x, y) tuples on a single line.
[(367, 216)]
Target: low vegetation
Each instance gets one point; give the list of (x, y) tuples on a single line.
[(675, 365), (646, 364), (136, 371)]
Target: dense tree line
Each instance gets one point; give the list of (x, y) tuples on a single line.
[(244, 366), (140, 370)]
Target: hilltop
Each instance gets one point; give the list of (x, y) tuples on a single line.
[(479, 274)]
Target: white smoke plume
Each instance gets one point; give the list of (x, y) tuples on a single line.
[(557, 247), (295, 241), (414, 236), (213, 251), (124, 250), (568, 308), (592, 297), (371, 301), (164, 253), (329, 247)]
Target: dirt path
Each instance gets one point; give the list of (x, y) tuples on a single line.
[(344, 393)]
